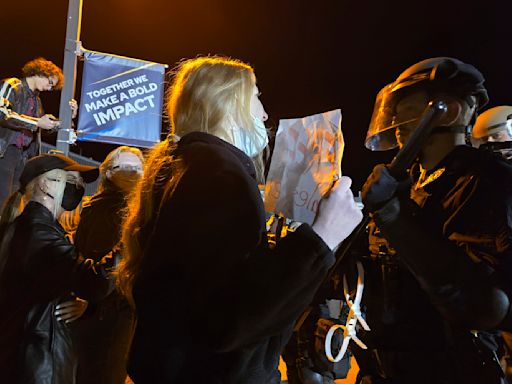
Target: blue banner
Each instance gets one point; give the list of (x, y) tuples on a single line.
[(121, 100)]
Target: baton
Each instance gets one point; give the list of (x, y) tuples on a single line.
[(398, 169)]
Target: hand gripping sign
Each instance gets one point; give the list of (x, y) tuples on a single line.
[(305, 163)]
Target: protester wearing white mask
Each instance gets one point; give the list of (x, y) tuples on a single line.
[(210, 294), (103, 338), (252, 143)]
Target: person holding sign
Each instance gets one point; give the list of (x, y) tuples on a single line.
[(210, 294), (22, 118)]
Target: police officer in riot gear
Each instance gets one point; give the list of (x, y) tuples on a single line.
[(436, 304), (493, 130), (304, 355)]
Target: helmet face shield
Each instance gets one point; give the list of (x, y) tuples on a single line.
[(440, 75), (381, 135)]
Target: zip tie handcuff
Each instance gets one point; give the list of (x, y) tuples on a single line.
[(354, 316)]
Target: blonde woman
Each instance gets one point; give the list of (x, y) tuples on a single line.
[(103, 338), (213, 301), (40, 269)]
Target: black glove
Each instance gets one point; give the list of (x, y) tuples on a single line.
[(379, 188)]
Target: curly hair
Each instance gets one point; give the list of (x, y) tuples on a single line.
[(44, 68)]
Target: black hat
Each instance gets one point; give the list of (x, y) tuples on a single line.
[(434, 75), (445, 74), (46, 162)]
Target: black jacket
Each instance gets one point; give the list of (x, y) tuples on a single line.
[(212, 300), (14, 95), (103, 335), (99, 229), (42, 269), (453, 239)]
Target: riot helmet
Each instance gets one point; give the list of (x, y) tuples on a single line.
[(493, 130), (434, 76)]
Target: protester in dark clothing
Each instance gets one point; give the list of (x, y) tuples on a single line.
[(39, 269), (22, 118), (211, 297), (436, 307), (99, 228), (103, 336)]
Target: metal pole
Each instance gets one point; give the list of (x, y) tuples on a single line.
[(72, 49)]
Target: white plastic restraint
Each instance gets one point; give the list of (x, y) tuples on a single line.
[(354, 316)]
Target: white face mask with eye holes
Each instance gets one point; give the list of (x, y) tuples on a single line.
[(251, 145)]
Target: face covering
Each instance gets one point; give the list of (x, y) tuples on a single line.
[(251, 145), (125, 180), (72, 196), (506, 153)]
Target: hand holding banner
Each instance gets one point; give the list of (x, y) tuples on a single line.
[(305, 163)]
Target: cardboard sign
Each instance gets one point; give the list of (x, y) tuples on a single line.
[(305, 163)]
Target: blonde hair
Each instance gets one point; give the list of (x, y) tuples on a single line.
[(16, 203), (59, 176), (19, 199), (161, 176), (210, 94), (206, 92), (111, 157)]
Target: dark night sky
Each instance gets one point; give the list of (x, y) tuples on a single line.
[(309, 56)]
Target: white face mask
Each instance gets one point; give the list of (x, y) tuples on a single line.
[(251, 145)]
